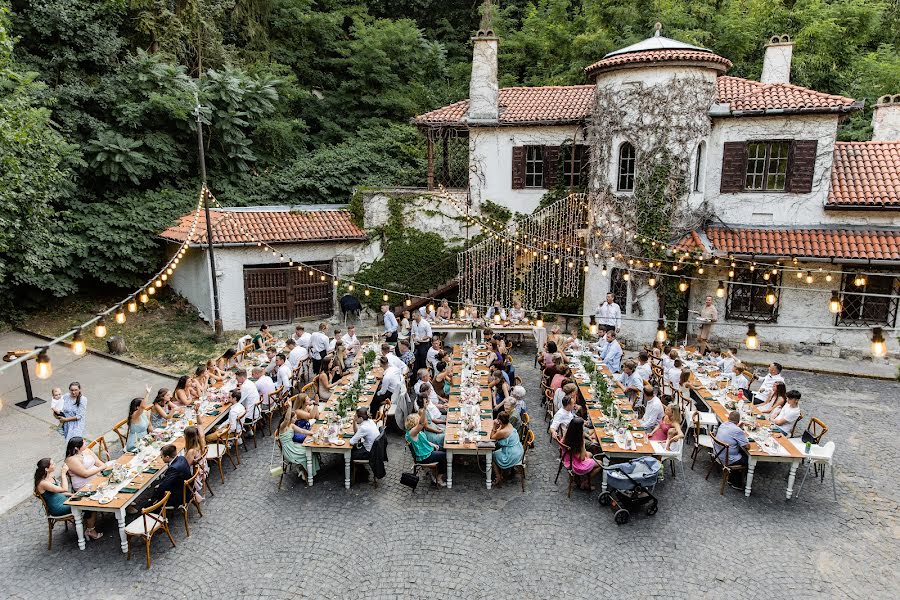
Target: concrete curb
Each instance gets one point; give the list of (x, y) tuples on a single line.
[(101, 354), (789, 367)]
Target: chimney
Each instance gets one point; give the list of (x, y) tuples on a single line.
[(777, 62), (886, 119), (483, 87)]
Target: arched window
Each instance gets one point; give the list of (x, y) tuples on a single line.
[(626, 168), (698, 168)]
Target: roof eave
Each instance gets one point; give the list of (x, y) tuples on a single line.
[(477, 125), (592, 73), (270, 242), (777, 112), (862, 207)]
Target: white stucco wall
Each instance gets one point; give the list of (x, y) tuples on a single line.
[(639, 313), (191, 279), (421, 210), (768, 208), (490, 162)]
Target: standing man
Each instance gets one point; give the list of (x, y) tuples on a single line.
[(421, 336), (609, 315), (710, 315), (390, 324), (318, 346)]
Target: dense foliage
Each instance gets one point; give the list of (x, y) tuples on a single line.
[(305, 99)]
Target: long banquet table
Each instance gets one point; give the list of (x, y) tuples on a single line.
[(472, 328)]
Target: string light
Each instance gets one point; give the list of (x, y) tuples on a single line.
[(42, 367), (100, 328), (367, 293), (720, 291), (151, 290), (834, 305), (859, 280), (144, 298), (132, 305), (661, 334), (828, 277), (626, 275), (751, 341), (809, 277), (120, 315), (603, 270), (651, 281), (682, 285), (384, 297), (409, 302), (593, 326), (879, 347), (770, 296), (78, 345)]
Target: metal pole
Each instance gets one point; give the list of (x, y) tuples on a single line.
[(217, 315)]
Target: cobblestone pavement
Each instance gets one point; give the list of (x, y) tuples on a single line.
[(468, 542)]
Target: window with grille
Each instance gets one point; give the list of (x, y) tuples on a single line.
[(575, 165), (767, 166), (747, 295), (880, 309), (619, 288), (627, 159), (534, 166)]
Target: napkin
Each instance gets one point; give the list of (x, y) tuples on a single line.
[(213, 413), (348, 435), (128, 490), (151, 470), (607, 440)]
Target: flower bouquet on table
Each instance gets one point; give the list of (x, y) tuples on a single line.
[(602, 391), (119, 474)]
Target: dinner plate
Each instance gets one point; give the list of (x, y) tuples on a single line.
[(339, 442), (637, 436), (104, 501)]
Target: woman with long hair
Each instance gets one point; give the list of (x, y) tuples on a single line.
[(338, 362), (323, 380), (576, 456), (443, 379), (54, 491), (669, 429), (509, 450), (777, 397), (182, 394), (444, 312), (82, 464), (294, 425), (434, 421), (162, 409), (138, 422), (214, 372), (194, 453), (501, 391)]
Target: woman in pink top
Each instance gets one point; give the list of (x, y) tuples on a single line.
[(669, 429), (576, 456)]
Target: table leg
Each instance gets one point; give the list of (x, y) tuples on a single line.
[(487, 468), (449, 469), (309, 467), (79, 526), (347, 470), (751, 467), (605, 464), (120, 518), (791, 477)]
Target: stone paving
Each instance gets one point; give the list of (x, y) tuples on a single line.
[(469, 542)]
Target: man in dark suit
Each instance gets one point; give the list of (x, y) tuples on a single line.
[(173, 479)]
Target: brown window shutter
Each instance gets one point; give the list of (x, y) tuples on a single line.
[(551, 166), (801, 166), (518, 167), (734, 167)]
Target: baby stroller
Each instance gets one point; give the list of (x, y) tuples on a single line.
[(630, 486)]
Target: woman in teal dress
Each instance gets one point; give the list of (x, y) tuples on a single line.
[(138, 422), (54, 492), (434, 421), (509, 450), (295, 452)]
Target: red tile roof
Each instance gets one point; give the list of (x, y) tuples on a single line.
[(744, 95), (838, 243), (651, 57), (555, 104), (865, 175), (269, 226)]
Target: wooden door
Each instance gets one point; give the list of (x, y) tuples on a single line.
[(312, 297), (267, 295)]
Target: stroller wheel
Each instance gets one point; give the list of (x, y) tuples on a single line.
[(652, 510), (605, 499), (622, 516)]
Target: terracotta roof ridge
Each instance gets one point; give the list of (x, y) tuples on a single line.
[(868, 143)]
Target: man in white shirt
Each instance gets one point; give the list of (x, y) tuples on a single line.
[(787, 415), (495, 309), (738, 379), (609, 315), (421, 337), (432, 357), (612, 354), (631, 383), (391, 383), (653, 410), (768, 382), (264, 385), (351, 342), (673, 375), (236, 412), (249, 394), (425, 379), (332, 343), (726, 362), (643, 369), (364, 430), (318, 346), (271, 367), (563, 417), (301, 337), (393, 359), (284, 372), (296, 354)]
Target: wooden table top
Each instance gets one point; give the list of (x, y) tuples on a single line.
[(330, 407), (486, 405)]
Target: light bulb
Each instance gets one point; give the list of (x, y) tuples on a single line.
[(751, 341), (157, 283), (603, 270), (42, 367), (799, 275), (682, 286), (586, 268), (334, 282), (409, 302), (132, 305), (651, 281), (151, 290), (144, 298), (766, 276), (770, 296), (834, 305), (100, 328), (828, 277), (367, 292), (350, 288), (626, 275), (78, 345), (164, 277), (730, 273), (700, 271), (809, 277), (384, 297), (661, 335), (879, 347), (720, 291), (120, 316)]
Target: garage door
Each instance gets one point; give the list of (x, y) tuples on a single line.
[(278, 295)]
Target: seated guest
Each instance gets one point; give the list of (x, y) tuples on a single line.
[(631, 383), (519, 407), (563, 416), (284, 373), (55, 491), (181, 396), (391, 383), (434, 420), (670, 355), (653, 409), (501, 389), (339, 362), (557, 368), (407, 356), (568, 387), (301, 337), (765, 387), (575, 454), (195, 453), (738, 379), (228, 360), (332, 343), (271, 368), (495, 309), (470, 312), (261, 338), (162, 409), (785, 417), (425, 383), (673, 375), (553, 336), (443, 380), (549, 352), (304, 411), (517, 313), (777, 398), (215, 373), (508, 447), (643, 369), (365, 432), (323, 379), (444, 312), (265, 387), (570, 341), (234, 423), (727, 360), (351, 342), (173, 478), (201, 382), (249, 395), (423, 450), (431, 359), (668, 430), (295, 353), (612, 354), (293, 451), (734, 440), (500, 365), (684, 383)]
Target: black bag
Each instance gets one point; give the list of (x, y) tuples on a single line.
[(807, 438), (409, 480)]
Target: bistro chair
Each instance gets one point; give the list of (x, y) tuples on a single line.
[(188, 499), (252, 423), (794, 426), (221, 450), (527, 441), (816, 429), (563, 451), (152, 520), (431, 467), (363, 463), (720, 457), (701, 440), (310, 390), (99, 447), (206, 475), (52, 521), (119, 429), (549, 407)]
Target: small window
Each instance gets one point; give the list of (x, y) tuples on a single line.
[(534, 166), (879, 309), (767, 164), (747, 294), (626, 168), (575, 165), (698, 168), (619, 288)]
